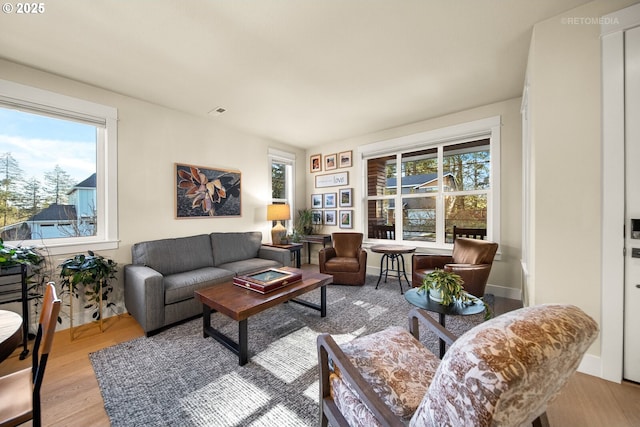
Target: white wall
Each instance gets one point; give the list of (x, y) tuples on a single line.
[(505, 279), (151, 139), (565, 114)]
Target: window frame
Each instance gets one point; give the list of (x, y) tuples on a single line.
[(488, 128), (105, 118), (289, 160)]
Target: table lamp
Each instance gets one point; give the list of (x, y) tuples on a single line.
[(278, 213)]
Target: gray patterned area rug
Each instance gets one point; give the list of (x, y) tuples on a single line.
[(179, 378)]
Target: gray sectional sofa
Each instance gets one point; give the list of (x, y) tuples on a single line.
[(159, 285)]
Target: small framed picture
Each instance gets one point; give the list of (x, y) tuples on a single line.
[(345, 198), (330, 218), (330, 162), (330, 200), (346, 218), (315, 163), (344, 159), (316, 217), (316, 201)]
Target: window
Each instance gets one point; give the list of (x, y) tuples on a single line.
[(432, 182), (58, 178), (282, 180)]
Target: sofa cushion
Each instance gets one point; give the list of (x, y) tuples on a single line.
[(181, 286), (396, 365), (170, 256), (247, 266), (341, 264), (230, 247), (347, 245), (473, 251)]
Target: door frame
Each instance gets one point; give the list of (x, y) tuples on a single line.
[(613, 181)]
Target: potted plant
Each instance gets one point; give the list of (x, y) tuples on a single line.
[(445, 287), (11, 256), (304, 222), (94, 273)]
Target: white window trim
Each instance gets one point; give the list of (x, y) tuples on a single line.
[(40, 100), (289, 159), (484, 128)]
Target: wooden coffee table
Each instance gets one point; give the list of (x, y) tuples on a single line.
[(239, 304)]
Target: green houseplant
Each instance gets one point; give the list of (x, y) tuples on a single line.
[(94, 273), (304, 222), (12, 256), (445, 287)]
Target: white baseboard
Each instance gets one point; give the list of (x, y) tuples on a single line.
[(591, 365), (504, 292)]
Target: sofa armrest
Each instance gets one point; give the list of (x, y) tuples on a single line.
[(421, 264), (418, 316), (429, 262), (362, 258), (329, 353), (472, 275), (144, 296), (283, 256), (324, 255)]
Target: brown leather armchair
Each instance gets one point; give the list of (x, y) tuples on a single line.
[(346, 261), (471, 259)]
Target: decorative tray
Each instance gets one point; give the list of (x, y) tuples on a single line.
[(267, 280)]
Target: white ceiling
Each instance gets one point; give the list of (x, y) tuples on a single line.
[(299, 71)]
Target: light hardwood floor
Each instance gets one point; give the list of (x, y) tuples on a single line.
[(71, 397)]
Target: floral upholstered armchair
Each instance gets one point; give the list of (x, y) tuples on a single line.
[(503, 372)]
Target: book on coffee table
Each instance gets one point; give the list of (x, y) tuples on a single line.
[(267, 280)]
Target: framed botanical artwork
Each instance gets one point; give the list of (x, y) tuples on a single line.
[(330, 162), (315, 163), (330, 218), (316, 217), (203, 192), (345, 197), (330, 200), (346, 218), (344, 159), (316, 201)]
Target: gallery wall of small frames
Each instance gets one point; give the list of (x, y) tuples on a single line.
[(327, 208)]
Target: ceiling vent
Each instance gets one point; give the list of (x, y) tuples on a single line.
[(217, 111)]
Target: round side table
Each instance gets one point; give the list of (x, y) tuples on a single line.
[(393, 253), (10, 332), (421, 300)]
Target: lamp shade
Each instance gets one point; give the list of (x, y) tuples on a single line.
[(278, 212)]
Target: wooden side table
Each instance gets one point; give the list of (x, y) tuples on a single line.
[(13, 288), (292, 247), (395, 254), (10, 332), (321, 239)]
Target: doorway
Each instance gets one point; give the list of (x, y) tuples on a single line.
[(631, 369)]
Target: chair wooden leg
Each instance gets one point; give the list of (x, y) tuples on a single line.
[(541, 421)]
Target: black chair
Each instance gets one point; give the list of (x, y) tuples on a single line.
[(471, 233), (387, 232), (20, 391)]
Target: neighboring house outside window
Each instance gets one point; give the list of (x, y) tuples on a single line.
[(60, 154), (440, 179), (75, 219)]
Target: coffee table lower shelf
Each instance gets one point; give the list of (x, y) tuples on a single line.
[(239, 304)]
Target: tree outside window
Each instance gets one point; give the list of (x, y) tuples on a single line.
[(48, 177), (437, 188)]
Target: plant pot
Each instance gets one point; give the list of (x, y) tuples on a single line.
[(435, 295)]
